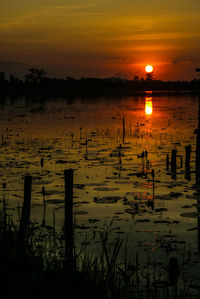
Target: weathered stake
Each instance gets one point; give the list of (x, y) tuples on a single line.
[(167, 162), (44, 207), (181, 162), (187, 156), (173, 161), (69, 231), (123, 129), (86, 150), (42, 162), (198, 225), (153, 179), (120, 154), (80, 133), (72, 135), (198, 177), (54, 219), (198, 154), (26, 209), (187, 162)]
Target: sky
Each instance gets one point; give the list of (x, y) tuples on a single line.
[(101, 38)]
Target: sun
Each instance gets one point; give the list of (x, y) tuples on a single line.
[(148, 68)]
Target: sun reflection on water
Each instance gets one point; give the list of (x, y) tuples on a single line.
[(148, 106)]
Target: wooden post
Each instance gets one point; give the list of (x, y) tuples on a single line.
[(181, 162), (198, 177), (167, 162), (198, 225), (120, 154), (42, 162), (54, 227), (69, 231), (198, 154), (123, 129), (187, 162), (44, 207), (80, 133), (153, 178), (173, 161), (54, 219), (198, 172), (72, 135), (173, 275), (26, 209), (4, 214), (146, 155), (86, 150), (187, 156)]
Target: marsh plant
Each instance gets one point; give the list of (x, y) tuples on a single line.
[(37, 267)]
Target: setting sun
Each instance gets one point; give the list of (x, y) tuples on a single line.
[(148, 68)]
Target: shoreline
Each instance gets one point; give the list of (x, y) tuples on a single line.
[(98, 93)]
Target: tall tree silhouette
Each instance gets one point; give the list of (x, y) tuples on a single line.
[(2, 77), (35, 75), (149, 76)]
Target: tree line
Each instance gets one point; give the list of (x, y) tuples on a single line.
[(36, 81)]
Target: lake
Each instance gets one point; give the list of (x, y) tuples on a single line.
[(112, 144)]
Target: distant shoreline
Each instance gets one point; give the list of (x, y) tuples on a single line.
[(109, 93), (37, 84)]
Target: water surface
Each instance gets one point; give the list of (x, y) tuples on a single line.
[(113, 179)]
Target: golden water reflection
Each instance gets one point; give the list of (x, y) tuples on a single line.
[(85, 134), (148, 106)]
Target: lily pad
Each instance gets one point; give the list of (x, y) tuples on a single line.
[(107, 199)]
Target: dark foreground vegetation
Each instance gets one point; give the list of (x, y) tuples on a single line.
[(36, 267), (37, 262), (37, 82)]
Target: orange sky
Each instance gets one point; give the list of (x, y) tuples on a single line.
[(101, 38)]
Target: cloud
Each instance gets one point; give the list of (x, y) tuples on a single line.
[(111, 58), (180, 61)]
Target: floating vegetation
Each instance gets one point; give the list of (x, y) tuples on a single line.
[(107, 199)]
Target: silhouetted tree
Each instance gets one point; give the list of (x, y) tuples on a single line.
[(2, 77), (13, 79), (35, 75), (149, 76), (136, 78)]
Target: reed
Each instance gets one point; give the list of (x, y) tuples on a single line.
[(38, 262), (38, 269)]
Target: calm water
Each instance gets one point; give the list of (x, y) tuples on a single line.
[(111, 184)]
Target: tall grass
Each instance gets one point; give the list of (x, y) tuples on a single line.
[(36, 268)]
